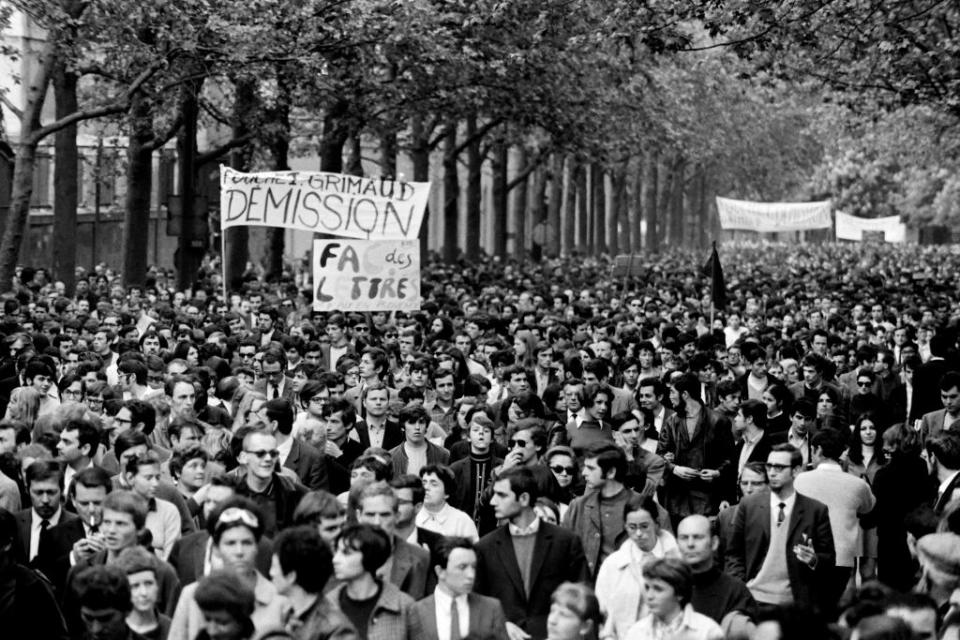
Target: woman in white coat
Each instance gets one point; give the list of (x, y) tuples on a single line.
[(620, 580)]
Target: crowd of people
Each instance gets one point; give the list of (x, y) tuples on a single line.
[(542, 451)]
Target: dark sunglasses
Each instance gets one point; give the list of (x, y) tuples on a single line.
[(517, 443), (263, 453), (556, 468)]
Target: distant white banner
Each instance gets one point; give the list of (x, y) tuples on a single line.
[(319, 202), (773, 216), (362, 275), (853, 228)]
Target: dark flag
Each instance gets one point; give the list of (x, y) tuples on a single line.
[(718, 290)]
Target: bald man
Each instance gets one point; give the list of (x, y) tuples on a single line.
[(715, 593)]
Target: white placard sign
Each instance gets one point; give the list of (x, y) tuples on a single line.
[(773, 216), (852, 228), (366, 275), (341, 205)]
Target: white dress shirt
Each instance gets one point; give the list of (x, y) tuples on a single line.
[(443, 603), (788, 503)]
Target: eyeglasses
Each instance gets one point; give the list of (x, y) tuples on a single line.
[(517, 443), (361, 329), (777, 467), (247, 356), (863, 383), (264, 453), (236, 514), (557, 468)]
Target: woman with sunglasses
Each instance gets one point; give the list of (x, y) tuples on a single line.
[(563, 465), (620, 582), (236, 528)]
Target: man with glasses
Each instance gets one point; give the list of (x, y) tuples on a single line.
[(275, 383), (276, 495), (782, 543)]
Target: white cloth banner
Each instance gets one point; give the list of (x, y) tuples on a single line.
[(366, 275), (319, 202), (773, 216), (852, 228)]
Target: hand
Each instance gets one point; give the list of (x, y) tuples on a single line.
[(685, 473), (669, 457), (709, 474), (512, 460), (724, 505), (516, 633), (805, 552), (332, 450)]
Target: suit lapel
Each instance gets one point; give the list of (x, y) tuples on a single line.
[(294, 456), (763, 513), (796, 517), (473, 604), (508, 558), (23, 522)]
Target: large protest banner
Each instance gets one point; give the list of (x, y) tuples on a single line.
[(852, 228), (319, 202), (366, 275), (770, 217)]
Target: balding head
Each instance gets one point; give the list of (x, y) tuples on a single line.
[(697, 542)]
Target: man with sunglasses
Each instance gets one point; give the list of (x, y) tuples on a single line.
[(782, 542), (274, 494)]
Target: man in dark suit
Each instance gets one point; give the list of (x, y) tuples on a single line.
[(76, 538), (947, 418), (942, 454), (308, 463), (376, 430), (755, 381), (749, 425), (782, 543), (43, 479), (926, 377), (408, 564), (525, 560), (274, 383), (452, 607)]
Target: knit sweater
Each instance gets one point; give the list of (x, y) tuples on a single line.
[(715, 594)]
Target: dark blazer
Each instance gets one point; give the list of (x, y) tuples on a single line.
[(188, 554), (710, 447), (487, 620), (926, 388), (759, 454), (53, 556), (409, 570), (309, 464), (398, 456), (750, 541), (931, 424), (392, 436), (557, 558), (24, 519), (261, 387)]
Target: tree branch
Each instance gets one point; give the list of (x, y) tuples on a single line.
[(167, 135), (119, 105), (213, 154), (482, 131), (530, 168), (5, 101)]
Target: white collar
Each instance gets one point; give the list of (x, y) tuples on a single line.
[(940, 490), (53, 520)]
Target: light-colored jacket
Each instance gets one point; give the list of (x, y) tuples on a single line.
[(694, 626), (620, 583), (269, 607)]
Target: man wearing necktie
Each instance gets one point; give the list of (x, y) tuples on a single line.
[(43, 484), (453, 612), (782, 543)]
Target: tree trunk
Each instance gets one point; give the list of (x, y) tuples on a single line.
[(355, 158), (538, 213), (598, 176), (664, 206), (19, 211), (139, 187), (583, 210), (238, 238), (651, 181), (554, 204), (191, 246), (703, 210), (420, 156), (636, 205), (280, 149), (334, 137), (65, 180), (618, 185), (570, 205), (451, 194), (388, 155), (520, 210), (499, 166), (676, 203), (474, 190)]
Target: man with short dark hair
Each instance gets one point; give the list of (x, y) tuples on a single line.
[(437, 514), (522, 562), (43, 484), (416, 451), (597, 516), (453, 610), (947, 418), (296, 455), (377, 429), (782, 544), (77, 447), (942, 455), (301, 567)]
